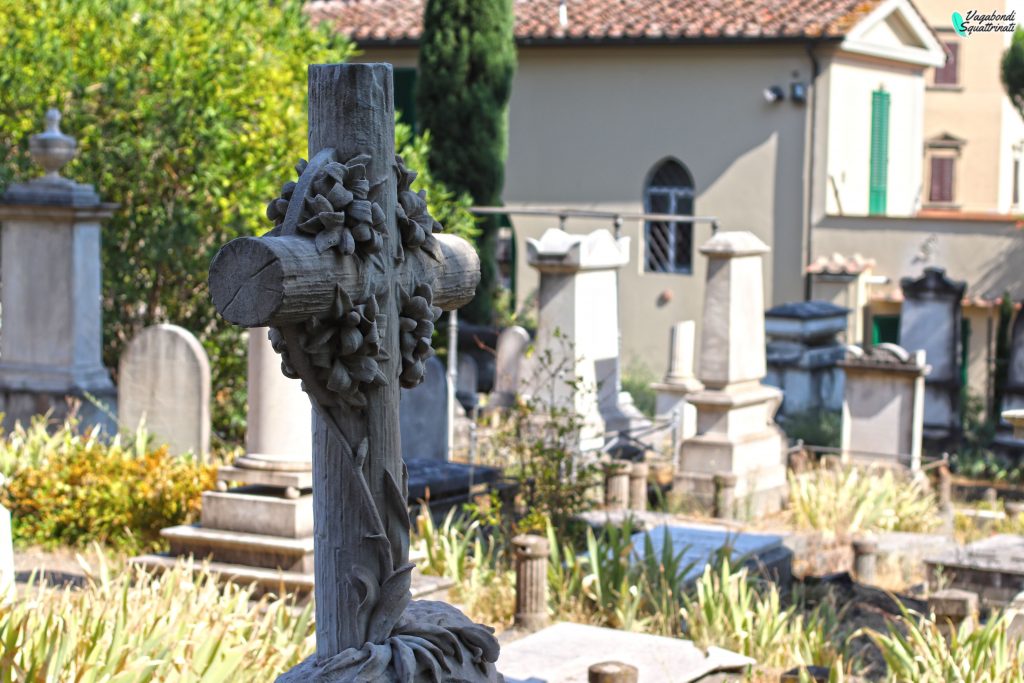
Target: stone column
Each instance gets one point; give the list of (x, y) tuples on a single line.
[(531, 581), (279, 433), (578, 325), (638, 486), (865, 559), (679, 381), (735, 431), (612, 672), (51, 343), (616, 483)]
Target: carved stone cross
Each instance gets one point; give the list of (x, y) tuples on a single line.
[(351, 281)]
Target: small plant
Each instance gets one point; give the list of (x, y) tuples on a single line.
[(176, 627), (70, 488), (849, 501), (916, 649), (636, 380), (539, 440), (447, 548), (815, 428), (725, 610)]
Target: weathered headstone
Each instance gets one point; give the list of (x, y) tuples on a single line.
[(50, 348), (164, 379), (466, 383), (424, 416), (510, 351), (578, 325), (350, 280), (843, 281), (930, 321), (679, 382), (883, 405), (803, 355), (735, 431)]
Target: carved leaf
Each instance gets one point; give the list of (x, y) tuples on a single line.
[(394, 597)]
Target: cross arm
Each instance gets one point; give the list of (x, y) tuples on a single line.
[(276, 281)]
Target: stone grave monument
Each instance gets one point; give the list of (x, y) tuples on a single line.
[(423, 423), (679, 382), (351, 280), (50, 346), (930, 320), (510, 352), (579, 318), (164, 380), (261, 530), (737, 441), (803, 356), (843, 281), (883, 405)]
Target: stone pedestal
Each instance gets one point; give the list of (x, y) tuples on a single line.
[(803, 357), (578, 327), (883, 405), (51, 343), (736, 434), (262, 531)]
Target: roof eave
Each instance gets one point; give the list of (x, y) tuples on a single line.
[(624, 42)]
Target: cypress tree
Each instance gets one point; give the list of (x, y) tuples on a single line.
[(467, 60)]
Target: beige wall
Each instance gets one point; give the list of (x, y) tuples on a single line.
[(586, 126), (851, 82), (977, 110)]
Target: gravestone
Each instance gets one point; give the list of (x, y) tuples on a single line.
[(164, 379), (578, 326), (930, 321), (992, 567), (262, 530), (510, 351), (679, 382), (843, 281), (424, 416), (736, 438), (883, 405), (351, 280), (803, 356), (51, 343), (467, 382)]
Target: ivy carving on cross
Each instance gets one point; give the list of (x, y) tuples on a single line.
[(351, 280)]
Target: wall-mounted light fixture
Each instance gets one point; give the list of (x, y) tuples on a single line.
[(774, 93), (798, 92)]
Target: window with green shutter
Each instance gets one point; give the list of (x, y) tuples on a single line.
[(879, 151)]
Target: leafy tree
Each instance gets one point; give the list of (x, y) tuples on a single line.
[(467, 60), (1012, 70)]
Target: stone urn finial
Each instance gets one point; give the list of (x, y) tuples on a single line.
[(51, 149)]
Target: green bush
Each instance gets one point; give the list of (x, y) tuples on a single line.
[(189, 114), (814, 428), (72, 489), (178, 627), (637, 381)]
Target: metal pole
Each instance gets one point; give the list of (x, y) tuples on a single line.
[(453, 376)]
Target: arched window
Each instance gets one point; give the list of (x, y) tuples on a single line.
[(668, 245)]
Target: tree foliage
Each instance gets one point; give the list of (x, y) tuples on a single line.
[(1012, 70), (189, 114), (467, 60)]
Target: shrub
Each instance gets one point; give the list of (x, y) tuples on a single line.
[(176, 627), (67, 488), (189, 114), (850, 501), (637, 381)]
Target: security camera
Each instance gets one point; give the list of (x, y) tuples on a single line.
[(774, 94)]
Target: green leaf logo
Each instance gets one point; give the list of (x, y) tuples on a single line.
[(958, 24)]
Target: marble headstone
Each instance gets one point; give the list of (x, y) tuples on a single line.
[(511, 349), (164, 379)]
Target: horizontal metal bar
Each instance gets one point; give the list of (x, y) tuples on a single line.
[(591, 214)]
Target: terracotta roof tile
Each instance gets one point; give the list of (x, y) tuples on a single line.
[(591, 20)]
